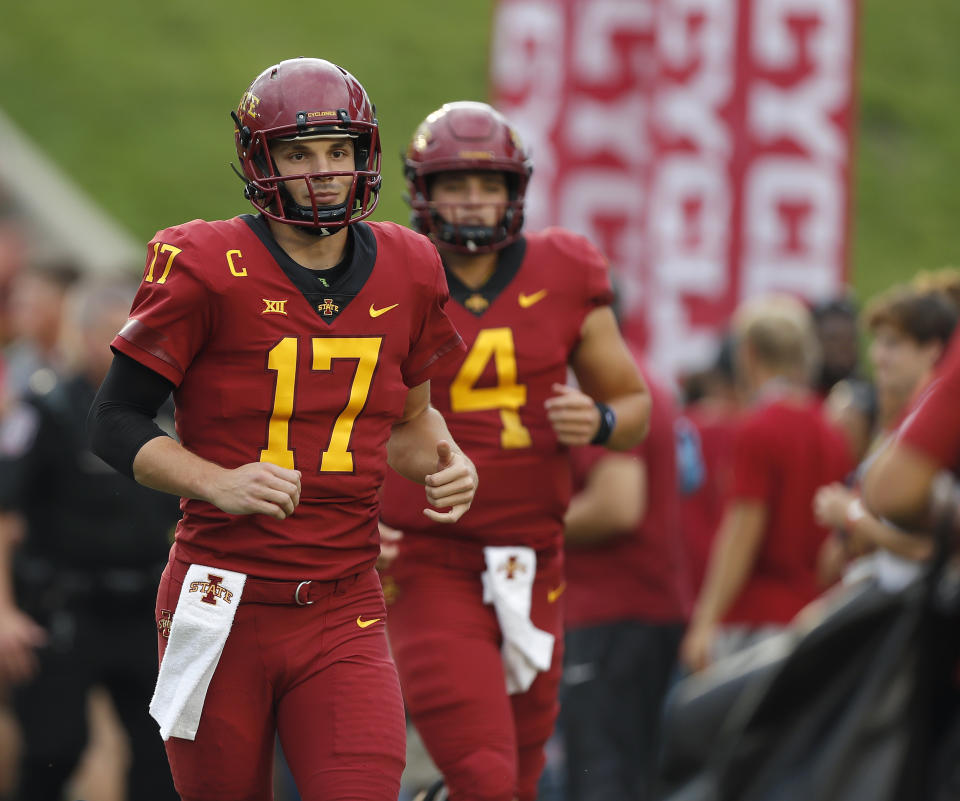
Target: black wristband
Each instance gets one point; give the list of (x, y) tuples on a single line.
[(608, 419)]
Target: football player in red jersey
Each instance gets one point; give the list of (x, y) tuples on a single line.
[(476, 621), (299, 344)]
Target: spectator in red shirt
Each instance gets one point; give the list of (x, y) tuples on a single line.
[(897, 485), (910, 330), (627, 600), (762, 568), (704, 434)]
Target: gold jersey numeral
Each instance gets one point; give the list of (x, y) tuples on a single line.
[(508, 396), (282, 359), (366, 350), (159, 248)]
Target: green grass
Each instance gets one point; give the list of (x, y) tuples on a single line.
[(132, 100), (907, 205)]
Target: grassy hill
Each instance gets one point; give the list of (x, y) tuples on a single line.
[(906, 202), (132, 100)]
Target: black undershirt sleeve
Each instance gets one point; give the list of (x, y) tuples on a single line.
[(121, 419)]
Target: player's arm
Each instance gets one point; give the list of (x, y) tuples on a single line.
[(732, 558), (124, 435), (20, 635), (607, 374), (23, 465), (612, 502), (840, 508), (421, 449), (897, 485)]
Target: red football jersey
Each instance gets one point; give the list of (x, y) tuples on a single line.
[(520, 328), (642, 574), (783, 452), (272, 364), (702, 510), (933, 424)]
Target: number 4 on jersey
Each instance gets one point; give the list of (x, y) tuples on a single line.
[(507, 396)]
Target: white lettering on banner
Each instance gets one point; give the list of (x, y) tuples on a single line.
[(593, 193), (689, 215), (592, 202), (528, 65), (570, 82), (677, 342), (703, 145), (696, 36), (815, 48), (599, 24), (775, 44), (795, 199), (794, 227), (615, 127), (691, 238)]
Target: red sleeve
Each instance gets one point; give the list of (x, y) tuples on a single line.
[(437, 338), (599, 290), (751, 473), (933, 425), (170, 317), (582, 461), (578, 256)]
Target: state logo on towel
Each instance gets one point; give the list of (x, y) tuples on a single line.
[(212, 589), (511, 567)]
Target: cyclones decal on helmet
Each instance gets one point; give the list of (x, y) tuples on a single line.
[(307, 98), (466, 136)]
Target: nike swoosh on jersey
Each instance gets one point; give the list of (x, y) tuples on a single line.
[(552, 595), (364, 623), (377, 312), (526, 301)]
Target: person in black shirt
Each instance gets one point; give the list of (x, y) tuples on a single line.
[(84, 567)]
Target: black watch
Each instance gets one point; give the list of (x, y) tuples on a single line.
[(608, 420)]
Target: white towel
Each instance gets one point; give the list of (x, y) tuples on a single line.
[(208, 601), (508, 585)]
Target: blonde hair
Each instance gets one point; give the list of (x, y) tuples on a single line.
[(780, 333), (945, 280)]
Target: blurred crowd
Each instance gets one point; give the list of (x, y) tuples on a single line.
[(738, 516)]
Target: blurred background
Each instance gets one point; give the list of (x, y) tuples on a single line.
[(713, 149), (130, 103)]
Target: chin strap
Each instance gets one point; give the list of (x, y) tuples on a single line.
[(250, 190), (294, 211)]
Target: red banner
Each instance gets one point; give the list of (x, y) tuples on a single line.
[(704, 145)]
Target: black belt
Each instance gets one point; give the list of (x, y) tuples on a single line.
[(301, 593)]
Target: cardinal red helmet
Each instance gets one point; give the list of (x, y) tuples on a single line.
[(466, 136), (308, 98)]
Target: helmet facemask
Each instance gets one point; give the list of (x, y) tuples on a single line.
[(307, 98), (268, 191), (430, 217)]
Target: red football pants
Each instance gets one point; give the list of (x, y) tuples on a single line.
[(446, 642), (311, 673)]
